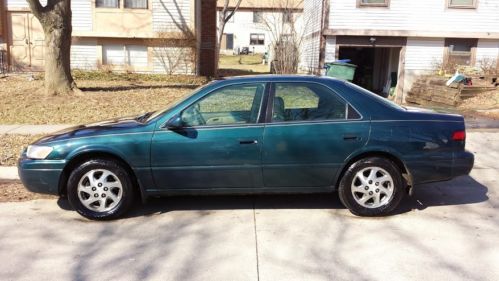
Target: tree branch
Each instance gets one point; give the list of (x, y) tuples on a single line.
[(233, 11), (37, 9)]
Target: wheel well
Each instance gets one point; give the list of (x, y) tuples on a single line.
[(405, 173), (79, 159)]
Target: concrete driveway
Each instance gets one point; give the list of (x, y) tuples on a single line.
[(446, 231)]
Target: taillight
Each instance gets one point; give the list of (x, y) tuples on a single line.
[(459, 135)]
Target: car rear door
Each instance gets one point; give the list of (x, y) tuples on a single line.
[(219, 145), (309, 133)]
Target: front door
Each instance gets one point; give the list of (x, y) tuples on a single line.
[(26, 42), (309, 135), (218, 146)]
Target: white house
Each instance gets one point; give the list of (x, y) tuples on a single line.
[(258, 24), (399, 39), (122, 35)]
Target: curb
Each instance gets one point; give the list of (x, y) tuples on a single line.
[(8, 173)]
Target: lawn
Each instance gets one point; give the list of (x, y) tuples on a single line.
[(11, 146), (104, 96), (242, 65)]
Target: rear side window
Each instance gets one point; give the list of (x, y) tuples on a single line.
[(306, 102)]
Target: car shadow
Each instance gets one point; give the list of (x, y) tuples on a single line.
[(460, 191)]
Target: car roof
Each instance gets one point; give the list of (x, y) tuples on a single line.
[(279, 77)]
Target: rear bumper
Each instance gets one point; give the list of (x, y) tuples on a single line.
[(41, 176), (462, 163)]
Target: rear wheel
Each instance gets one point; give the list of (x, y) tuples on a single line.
[(100, 189), (371, 187)]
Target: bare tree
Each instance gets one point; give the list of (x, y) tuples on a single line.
[(223, 17), (55, 19), (286, 27), (175, 51)]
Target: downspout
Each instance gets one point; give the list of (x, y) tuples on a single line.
[(324, 26)]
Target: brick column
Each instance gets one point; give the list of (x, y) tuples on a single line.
[(208, 27)]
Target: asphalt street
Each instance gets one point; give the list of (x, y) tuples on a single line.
[(445, 231)]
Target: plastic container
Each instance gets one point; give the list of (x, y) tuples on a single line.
[(340, 70)]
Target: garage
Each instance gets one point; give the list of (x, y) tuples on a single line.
[(379, 61)]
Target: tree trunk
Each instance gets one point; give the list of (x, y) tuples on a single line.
[(55, 19), (58, 79)]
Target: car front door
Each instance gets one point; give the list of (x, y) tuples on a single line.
[(218, 144), (309, 133)]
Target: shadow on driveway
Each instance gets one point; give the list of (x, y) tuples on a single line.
[(460, 191)]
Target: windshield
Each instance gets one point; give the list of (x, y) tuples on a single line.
[(374, 96), (172, 105)]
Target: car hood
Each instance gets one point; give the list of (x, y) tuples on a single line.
[(111, 126)]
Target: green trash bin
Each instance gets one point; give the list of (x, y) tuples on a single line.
[(340, 70)]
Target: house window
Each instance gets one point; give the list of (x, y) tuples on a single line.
[(257, 39), (462, 3), (136, 4), (133, 55), (460, 51), (257, 17), (107, 3), (373, 3)]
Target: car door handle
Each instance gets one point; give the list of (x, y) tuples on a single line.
[(351, 137), (248, 142)]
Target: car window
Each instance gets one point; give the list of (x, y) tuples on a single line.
[(306, 101), (236, 104)]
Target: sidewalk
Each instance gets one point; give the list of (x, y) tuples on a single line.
[(8, 173), (22, 129)]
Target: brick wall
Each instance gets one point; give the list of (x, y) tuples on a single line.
[(208, 37)]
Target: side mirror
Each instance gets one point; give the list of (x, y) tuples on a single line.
[(175, 123)]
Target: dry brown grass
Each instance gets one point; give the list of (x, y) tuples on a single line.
[(484, 104), (23, 102), (11, 146)]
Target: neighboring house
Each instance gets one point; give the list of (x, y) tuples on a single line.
[(258, 24), (399, 39), (128, 35)]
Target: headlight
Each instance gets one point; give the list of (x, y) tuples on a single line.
[(38, 152)]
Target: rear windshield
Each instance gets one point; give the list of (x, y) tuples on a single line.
[(384, 101)]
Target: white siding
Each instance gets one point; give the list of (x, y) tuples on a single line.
[(423, 53), (411, 15), (330, 49), (20, 4), (178, 59), (312, 15), (84, 55), (169, 15), (82, 15), (487, 49)]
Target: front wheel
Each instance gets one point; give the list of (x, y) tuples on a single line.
[(100, 189), (371, 187)]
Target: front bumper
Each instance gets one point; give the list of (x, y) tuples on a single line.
[(41, 176), (463, 163)]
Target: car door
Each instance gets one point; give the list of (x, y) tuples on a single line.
[(218, 144), (309, 133)]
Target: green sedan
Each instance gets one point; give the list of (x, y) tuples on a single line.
[(253, 135)]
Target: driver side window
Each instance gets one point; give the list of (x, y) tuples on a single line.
[(237, 104)]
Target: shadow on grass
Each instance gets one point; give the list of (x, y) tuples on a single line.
[(227, 72), (137, 87), (460, 191)]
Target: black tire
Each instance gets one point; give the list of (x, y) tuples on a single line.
[(391, 203), (117, 169)]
